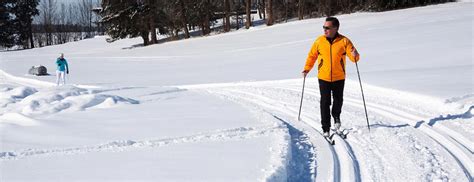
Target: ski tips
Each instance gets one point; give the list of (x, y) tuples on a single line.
[(330, 139)]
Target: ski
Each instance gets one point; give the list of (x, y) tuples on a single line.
[(342, 133), (330, 139)]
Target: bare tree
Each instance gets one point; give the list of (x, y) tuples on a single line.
[(269, 10), (238, 9), (184, 17), (248, 22), (227, 16), (204, 13), (261, 9), (73, 20), (62, 25), (150, 20), (48, 11), (300, 9), (86, 15)]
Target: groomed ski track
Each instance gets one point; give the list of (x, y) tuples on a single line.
[(390, 117)]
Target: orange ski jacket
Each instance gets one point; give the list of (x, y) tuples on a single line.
[(331, 57)]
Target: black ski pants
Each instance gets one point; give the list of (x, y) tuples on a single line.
[(325, 89)]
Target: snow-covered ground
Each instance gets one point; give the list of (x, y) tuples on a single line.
[(224, 107)]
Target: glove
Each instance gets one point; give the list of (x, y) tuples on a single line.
[(355, 54), (305, 72)]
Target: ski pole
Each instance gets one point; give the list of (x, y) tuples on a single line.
[(301, 102), (363, 99)]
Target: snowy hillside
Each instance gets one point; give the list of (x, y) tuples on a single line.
[(224, 107)]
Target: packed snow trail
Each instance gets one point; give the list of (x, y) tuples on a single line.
[(27, 102), (409, 121), (444, 153)]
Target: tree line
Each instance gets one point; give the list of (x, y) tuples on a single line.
[(147, 18), (37, 23), (30, 23)]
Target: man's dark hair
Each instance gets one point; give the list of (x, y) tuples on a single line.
[(334, 21)]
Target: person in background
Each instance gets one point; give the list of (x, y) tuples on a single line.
[(62, 69)]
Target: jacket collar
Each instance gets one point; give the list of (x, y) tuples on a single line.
[(333, 39)]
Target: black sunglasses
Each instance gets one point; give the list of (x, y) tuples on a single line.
[(326, 28)]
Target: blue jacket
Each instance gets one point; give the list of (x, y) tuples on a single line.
[(62, 64)]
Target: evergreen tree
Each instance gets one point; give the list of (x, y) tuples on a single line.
[(115, 18), (142, 18), (7, 37), (122, 19), (24, 11)]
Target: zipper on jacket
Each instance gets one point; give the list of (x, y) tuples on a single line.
[(330, 55)]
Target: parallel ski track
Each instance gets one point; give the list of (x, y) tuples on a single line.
[(345, 165), (459, 147), (454, 143)]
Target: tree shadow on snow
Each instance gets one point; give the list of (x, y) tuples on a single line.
[(465, 115)]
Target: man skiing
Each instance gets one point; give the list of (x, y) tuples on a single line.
[(62, 67), (330, 50)]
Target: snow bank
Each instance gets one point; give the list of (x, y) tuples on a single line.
[(58, 99), (25, 81), (18, 119), (10, 94)]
